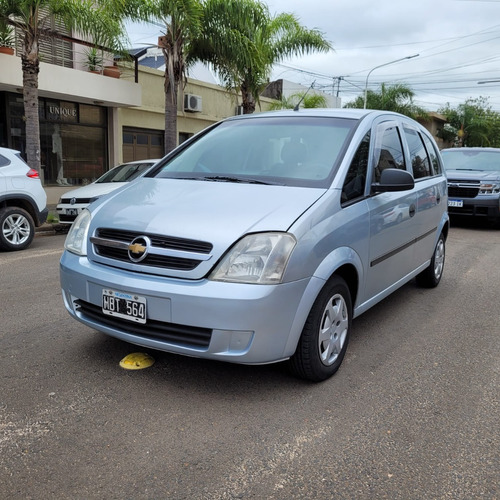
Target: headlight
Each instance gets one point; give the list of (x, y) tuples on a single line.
[(257, 258), (490, 187), (76, 241)]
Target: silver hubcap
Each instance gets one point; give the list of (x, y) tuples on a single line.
[(16, 229), (439, 259), (333, 330)]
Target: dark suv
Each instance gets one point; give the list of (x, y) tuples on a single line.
[(473, 181), (22, 201)]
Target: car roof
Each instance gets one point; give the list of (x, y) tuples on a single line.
[(352, 113), (465, 149), (9, 150)]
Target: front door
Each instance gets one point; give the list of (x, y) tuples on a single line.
[(392, 221)]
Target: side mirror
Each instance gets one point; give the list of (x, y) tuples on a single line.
[(394, 179)]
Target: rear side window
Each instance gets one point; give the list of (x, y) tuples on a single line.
[(433, 156), (388, 150), (418, 155), (4, 161)]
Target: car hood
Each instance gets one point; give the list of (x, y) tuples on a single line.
[(480, 175), (219, 213), (93, 190)]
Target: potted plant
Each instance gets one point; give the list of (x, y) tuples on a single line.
[(94, 60), (112, 71), (7, 40)]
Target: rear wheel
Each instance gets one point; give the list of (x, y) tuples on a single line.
[(325, 336), (16, 229), (431, 276)]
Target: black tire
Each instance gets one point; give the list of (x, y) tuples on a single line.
[(319, 356), (17, 229), (431, 276)]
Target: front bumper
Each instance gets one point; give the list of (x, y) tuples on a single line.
[(481, 206), (251, 324), (68, 213)]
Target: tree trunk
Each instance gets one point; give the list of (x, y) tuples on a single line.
[(171, 90), (31, 67), (247, 100)]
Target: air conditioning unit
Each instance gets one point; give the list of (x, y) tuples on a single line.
[(192, 103), (239, 110)]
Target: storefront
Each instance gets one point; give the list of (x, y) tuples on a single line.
[(73, 138)]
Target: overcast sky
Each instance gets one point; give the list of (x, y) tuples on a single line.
[(458, 42)]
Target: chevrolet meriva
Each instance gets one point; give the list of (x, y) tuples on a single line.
[(262, 237)]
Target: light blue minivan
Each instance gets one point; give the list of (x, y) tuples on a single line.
[(262, 237)]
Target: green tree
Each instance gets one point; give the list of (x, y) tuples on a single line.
[(398, 98), (305, 100), (472, 123), (242, 41), (31, 20)]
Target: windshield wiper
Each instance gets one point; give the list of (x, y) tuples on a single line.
[(222, 178)]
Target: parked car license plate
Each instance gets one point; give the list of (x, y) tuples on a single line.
[(72, 211), (124, 305), (456, 203)]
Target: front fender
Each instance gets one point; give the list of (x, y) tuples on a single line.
[(333, 262)]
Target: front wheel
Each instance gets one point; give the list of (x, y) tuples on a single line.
[(325, 336), (16, 229), (430, 277)]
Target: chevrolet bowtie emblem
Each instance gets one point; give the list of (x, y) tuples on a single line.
[(139, 248), (136, 248)]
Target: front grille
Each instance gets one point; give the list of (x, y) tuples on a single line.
[(463, 188), (78, 200), (187, 336), (462, 192), (157, 240), (153, 259), (66, 218)]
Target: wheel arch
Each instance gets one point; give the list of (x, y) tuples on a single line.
[(23, 202), (343, 262)]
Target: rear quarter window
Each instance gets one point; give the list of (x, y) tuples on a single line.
[(4, 161)]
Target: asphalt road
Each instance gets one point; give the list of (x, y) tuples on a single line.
[(413, 413)]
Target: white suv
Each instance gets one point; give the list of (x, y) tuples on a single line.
[(23, 202)]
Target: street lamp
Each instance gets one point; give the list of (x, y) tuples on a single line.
[(386, 64)]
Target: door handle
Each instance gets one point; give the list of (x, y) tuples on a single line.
[(412, 210)]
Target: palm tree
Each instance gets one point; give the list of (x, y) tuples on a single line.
[(30, 18), (473, 123), (303, 98), (398, 98), (242, 41), (182, 21)]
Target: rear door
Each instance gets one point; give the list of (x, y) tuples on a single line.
[(430, 189), (392, 215)]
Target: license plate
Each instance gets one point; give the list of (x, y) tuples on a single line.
[(124, 305), (72, 211), (456, 203)]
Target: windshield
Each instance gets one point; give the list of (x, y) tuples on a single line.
[(125, 172), (291, 151), (488, 161)]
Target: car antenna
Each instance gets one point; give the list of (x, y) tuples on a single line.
[(296, 108)]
